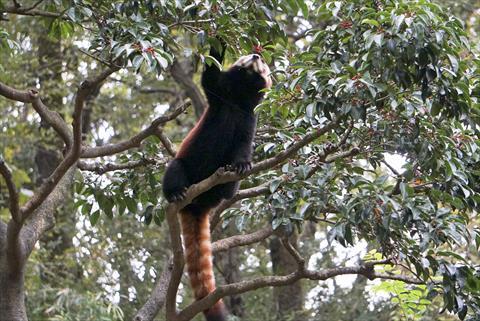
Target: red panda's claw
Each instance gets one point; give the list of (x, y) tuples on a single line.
[(177, 196), (240, 168)]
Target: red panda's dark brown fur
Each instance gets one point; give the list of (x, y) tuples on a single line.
[(223, 136)]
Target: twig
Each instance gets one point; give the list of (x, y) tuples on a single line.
[(36, 4), (110, 149), (52, 118), (294, 253), (104, 62), (165, 142)]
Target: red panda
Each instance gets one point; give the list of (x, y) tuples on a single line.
[(222, 137)]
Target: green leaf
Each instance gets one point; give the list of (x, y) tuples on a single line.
[(94, 217), (371, 22)]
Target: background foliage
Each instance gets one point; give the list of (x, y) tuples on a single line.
[(396, 178)]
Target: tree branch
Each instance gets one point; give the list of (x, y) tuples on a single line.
[(242, 240), (156, 299), (12, 190), (222, 176), (158, 295), (241, 194), (43, 217), (52, 118), (101, 169), (165, 142), (73, 154), (219, 177), (178, 261), (31, 11), (110, 149), (191, 89), (261, 282)]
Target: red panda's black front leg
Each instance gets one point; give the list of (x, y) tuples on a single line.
[(175, 181), (241, 160)]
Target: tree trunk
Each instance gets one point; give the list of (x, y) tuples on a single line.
[(12, 298), (288, 299), (229, 265)]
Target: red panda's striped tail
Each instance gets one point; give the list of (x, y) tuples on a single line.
[(198, 257)]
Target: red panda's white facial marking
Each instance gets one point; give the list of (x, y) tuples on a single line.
[(255, 63)]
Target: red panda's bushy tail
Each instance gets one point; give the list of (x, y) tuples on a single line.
[(198, 257)]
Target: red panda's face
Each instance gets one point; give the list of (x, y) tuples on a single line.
[(256, 64)]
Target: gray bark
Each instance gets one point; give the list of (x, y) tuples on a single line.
[(12, 297), (289, 298)]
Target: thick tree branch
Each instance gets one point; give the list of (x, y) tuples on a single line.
[(12, 191), (73, 154), (3, 234), (261, 282), (178, 261), (222, 176), (43, 217), (135, 141)]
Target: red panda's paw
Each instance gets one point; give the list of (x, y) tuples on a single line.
[(176, 195), (239, 167)]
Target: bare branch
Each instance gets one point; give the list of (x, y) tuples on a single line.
[(191, 89), (178, 261), (157, 298), (100, 60), (261, 282), (31, 11), (101, 169), (36, 4), (352, 152), (241, 194), (322, 158), (221, 176), (50, 117), (73, 153), (135, 141), (390, 167), (165, 142), (294, 253), (12, 190), (241, 240)]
